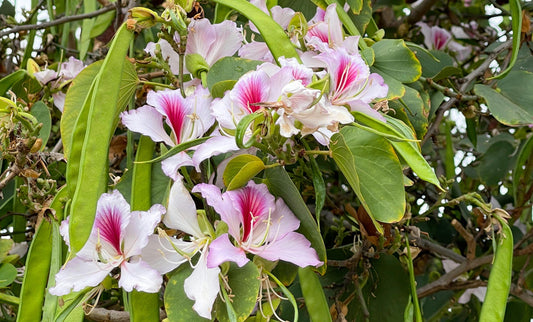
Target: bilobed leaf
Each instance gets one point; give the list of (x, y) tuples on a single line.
[(241, 169), (87, 26), (42, 114), (396, 60), (177, 305), (356, 6), (373, 170), (521, 182), (503, 108), (101, 23), (280, 184), (244, 283), (228, 69)]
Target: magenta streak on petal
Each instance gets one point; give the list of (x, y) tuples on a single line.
[(439, 39), (346, 75), (176, 114), (252, 208), (316, 32), (250, 93), (108, 225)]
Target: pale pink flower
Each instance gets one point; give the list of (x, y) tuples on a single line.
[(117, 239), (326, 32), (202, 285), (188, 118), (435, 37), (258, 224), (212, 42)]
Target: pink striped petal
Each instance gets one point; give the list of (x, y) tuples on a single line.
[(171, 104), (138, 275), (253, 87), (221, 250)]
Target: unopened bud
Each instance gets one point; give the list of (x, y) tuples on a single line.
[(196, 64), (145, 18), (37, 145), (32, 67), (297, 26)]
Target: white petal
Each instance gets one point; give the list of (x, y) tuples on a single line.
[(213, 146), (160, 254), (147, 121), (141, 225), (59, 100), (181, 211), (202, 287), (170, 166), (140, 276), (78, 274)]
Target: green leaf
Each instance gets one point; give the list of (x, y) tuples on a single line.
[(355, 5), (87, 26), (394, 59), (177, 149), (315, 300), (219, 89), (275, 37), (229, 68), (414, 108), (221, 13), (241, 169), (516, 15), (8, 273), (493, 308), (177, 305), (244, 283), (101, 23), (521, 181), (5, 247), (8, 81), (280, 185), (373, 170), (102, 119), (363, 18), (503, 108), (42, 114)]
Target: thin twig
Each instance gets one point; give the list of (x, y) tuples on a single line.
[(467, 81), (60, 21)]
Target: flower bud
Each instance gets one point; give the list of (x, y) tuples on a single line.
[(297, 26), (144, 17), (196, 64)]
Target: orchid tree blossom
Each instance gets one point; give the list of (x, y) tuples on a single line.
[(351, 81), (116, 240), (211, 41), (258, 224), (189, 118), (438, 38), (67, 72), (202, 286), (326, 32)]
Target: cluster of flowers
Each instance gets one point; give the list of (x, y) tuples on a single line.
[(257, 222)]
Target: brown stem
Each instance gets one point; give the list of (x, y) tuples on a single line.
[(469, 238), (60, 21)]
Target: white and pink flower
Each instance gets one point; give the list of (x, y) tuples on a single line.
[(189, 118), (117, 240), (258, 224)]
